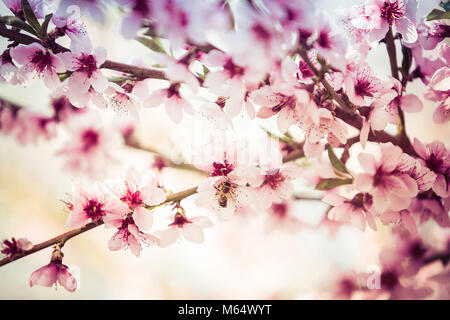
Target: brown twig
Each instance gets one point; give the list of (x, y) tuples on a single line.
[(131, 142)]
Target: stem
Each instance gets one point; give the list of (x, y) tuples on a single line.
[(392, 53), (337, 97), (390, 47), (131, 142), (141, 73)]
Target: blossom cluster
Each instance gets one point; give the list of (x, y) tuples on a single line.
[(283, 61)]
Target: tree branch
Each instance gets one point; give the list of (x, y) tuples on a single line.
[(141, 73)]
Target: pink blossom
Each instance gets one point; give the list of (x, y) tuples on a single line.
[(13, 247), (139, 190), (92, 205), (231, 184), (428, 205), (38, 62), (438, 90), (277, 185), (53, 273), (282, 216), (7, 120), (362, 86), (424, 177), (355, 211), (376, 16), (224, 195), (394, 269), (181, 21), (174, 103), (330, 45), (407, 102), (16, 7), (124, 99), (258, 45), (426, 65), (328, 126), (182, 227), (90, 145), (283, 103), (230, 81), (431, 33), (128, 235), (436, 157), (131, 24), (378, 114), (86, 74), (27, 126), (70, 24), (8, 69), (403, 217), (390, 190)]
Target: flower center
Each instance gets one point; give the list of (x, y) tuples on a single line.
[(392, 11), (434, 163), (363, 88), (260, 32), (232, 69), (221, 169), (173, 90), (389, 279), (417, 251), (358, 201), (324, 40), (273, 179), (285, 102), (142, 7), (89, 139), (94, 209), (41, 60), (88, 64), (280, 209), (132, 199), (378, 177), (305, 70), (179, 220)]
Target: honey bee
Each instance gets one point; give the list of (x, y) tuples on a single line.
[(222, 193)]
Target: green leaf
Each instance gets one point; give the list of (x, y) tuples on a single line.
[(335, 162), (327, 184), (45, 24), (31, 18), (17, 23), (438, 15), (152, 43)]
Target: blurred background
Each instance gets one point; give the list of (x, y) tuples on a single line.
[(247, 258)]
